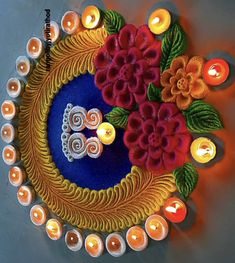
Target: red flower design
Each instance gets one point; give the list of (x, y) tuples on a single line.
[(157, 137), (126, 64)]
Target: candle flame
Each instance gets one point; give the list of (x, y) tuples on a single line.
[(35, 214), (90, 244), (89, 19), (202, 152), (69, 23), (6, 109), (21, 193), (156, 20), (51, 228), (173, 209), (154, 227), (134, 237), (213, 72)]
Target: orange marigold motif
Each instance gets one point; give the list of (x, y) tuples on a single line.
[(183, 82)]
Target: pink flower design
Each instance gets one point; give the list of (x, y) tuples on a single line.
[(126, 65), (157, 137)]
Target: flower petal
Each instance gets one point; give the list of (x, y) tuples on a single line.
[(143, 141), (155, 165), (153, 54), (102, 59), (148, 126), (101, 79), (134, 54), (167, 96), (155, 152), (141, 94), (144, 37), (130, 139), (140, 67), (108, 96), (126, 37), (125, 100), (120, 58), (184, 142), (135, 84), (173, 160), (138, 156), (148, 110), (152, 75), (195, 66), (167, 110), (178, 63), (183, 102), (119, 87), (112, 74), (112, 45), (165, 78), (169, 143), (198, 89), (175, 90), (134, 121)]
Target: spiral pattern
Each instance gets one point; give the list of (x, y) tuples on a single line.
[(94, 147), (76, 118), (93, 119), (77, 145)]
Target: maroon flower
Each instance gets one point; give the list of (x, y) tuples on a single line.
[(126, 64), (157, 137)]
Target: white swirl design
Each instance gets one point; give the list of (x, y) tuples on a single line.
[(93, 119), (77, 145), (94, 147), (76, 118)]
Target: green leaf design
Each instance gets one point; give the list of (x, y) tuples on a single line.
[(202, 117), (154, 93), (118, 117), (113, 22), (186, 178), (173, 45)]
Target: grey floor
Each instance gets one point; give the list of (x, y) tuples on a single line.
[(208, 235)]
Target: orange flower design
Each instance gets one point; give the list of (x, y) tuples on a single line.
[(182, 82)]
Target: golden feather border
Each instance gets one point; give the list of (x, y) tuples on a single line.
[(137, 196)]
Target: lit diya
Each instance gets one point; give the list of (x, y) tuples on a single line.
[(38, 215), (54, 229), (16, 176), (175, 210), (203, 150), (25, 195), (216, 71), (94, 245), (23, 66), (14, 87), (159, 21), (71, 23), (10, 155), (91, 17), (156, 227), (8, 133), (51, 32), (9, 110), (34, 48), (115, 245), (74, 240), (106, 133), (136, 238)]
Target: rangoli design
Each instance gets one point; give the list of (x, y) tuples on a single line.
[(117, 100)]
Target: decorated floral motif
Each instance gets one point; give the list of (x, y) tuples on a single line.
[(127, 63), (157, 137), (183, 82)]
